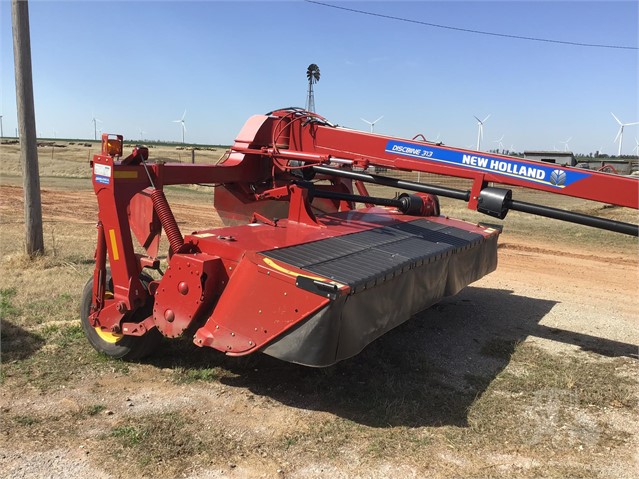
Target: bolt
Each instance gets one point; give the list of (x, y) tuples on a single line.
[(250, 343), (121, 307), (169, 315), (183, 288), (232, 334)]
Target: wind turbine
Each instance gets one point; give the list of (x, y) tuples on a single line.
[(480, 132), (565, 143), (636, 149), (1, 130), (181, 121), (372, 124), (95, 122), (142, 132), (620, 132), (500, 145)]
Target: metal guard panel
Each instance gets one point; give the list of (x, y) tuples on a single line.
[(369, 258), (394, 271)]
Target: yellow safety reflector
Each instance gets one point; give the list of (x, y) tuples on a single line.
[(114, 245), (125, 174), (288, 272)]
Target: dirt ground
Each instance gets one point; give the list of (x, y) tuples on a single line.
[(529, 372)]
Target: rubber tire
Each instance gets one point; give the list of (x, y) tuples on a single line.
[(129, 348)]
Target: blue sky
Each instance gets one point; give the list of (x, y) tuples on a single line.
[(139, 65)]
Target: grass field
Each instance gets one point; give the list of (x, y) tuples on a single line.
[(531, 372)]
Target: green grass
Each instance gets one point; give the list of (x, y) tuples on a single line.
[(7, 308), (63, 335), (589, 381), (183, 375), (95, 409), (526, 403), (26, 420), (164, 445), (129, 436)]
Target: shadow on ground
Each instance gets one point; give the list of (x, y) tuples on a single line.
[(426, 372), (17, 343)]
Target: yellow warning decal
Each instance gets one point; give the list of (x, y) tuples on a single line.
[(288, 272), (204, 235), (114, 245), (125, 174)]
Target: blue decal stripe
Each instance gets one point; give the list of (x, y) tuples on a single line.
[(540, 173), (488, 170)]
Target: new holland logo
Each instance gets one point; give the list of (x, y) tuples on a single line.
[(558, 178), (514, 168)]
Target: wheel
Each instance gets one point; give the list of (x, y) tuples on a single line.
[(114, 345)]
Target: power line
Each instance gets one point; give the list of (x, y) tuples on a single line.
[(478, 32)]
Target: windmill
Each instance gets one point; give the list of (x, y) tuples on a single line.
[(183, 126), (500, 145), (313, 76), (620, 132), (636, 148), (372, 123), (142, 132), (565, 143), (480, 132), (95, 122)]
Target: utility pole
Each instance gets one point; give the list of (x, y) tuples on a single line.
[(26, 125)]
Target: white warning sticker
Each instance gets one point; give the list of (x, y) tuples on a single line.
[(102, 170)]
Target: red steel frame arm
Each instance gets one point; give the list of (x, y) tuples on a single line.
[(394, 153)]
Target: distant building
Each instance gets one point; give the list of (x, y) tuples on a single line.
[(563, 158)]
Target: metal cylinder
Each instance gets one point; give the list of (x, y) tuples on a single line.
[(395, 183), (572, 217)]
